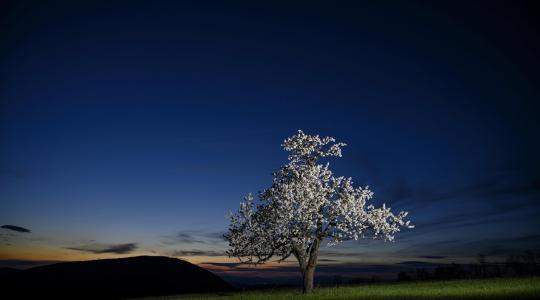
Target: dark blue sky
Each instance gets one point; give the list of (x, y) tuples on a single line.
[(139, 125)]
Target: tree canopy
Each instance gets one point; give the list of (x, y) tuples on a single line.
[(305, 205)]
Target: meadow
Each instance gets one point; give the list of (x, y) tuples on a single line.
[(493, 288)]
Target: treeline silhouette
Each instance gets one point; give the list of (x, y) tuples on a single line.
[(527, 264)]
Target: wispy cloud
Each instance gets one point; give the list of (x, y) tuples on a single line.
[(197, 252), (106, 248), (182, 238), (433, 256), (470, 248), (193, 237), (493, 188), (324, 260), (16, 228)]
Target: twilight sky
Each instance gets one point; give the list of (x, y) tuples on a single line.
[(133, 128)]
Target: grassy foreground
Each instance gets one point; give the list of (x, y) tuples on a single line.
[(494, 288)]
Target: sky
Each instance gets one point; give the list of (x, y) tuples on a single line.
[(135, 127)]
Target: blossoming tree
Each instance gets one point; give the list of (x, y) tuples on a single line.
[(304, 206)]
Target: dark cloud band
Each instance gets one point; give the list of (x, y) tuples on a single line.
[(100, 249), (16, 228)]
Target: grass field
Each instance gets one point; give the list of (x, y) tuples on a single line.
[(495, 288)]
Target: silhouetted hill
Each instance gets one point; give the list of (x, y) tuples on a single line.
[(7, 273), (112, 279)]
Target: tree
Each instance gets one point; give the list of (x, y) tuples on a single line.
[(304, 206)]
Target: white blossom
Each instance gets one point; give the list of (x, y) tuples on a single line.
[(305, 205)]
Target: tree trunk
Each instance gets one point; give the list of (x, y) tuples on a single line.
[(308, 267), (307, 275)]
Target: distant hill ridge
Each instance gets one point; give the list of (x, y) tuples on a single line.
[(111, 279)]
